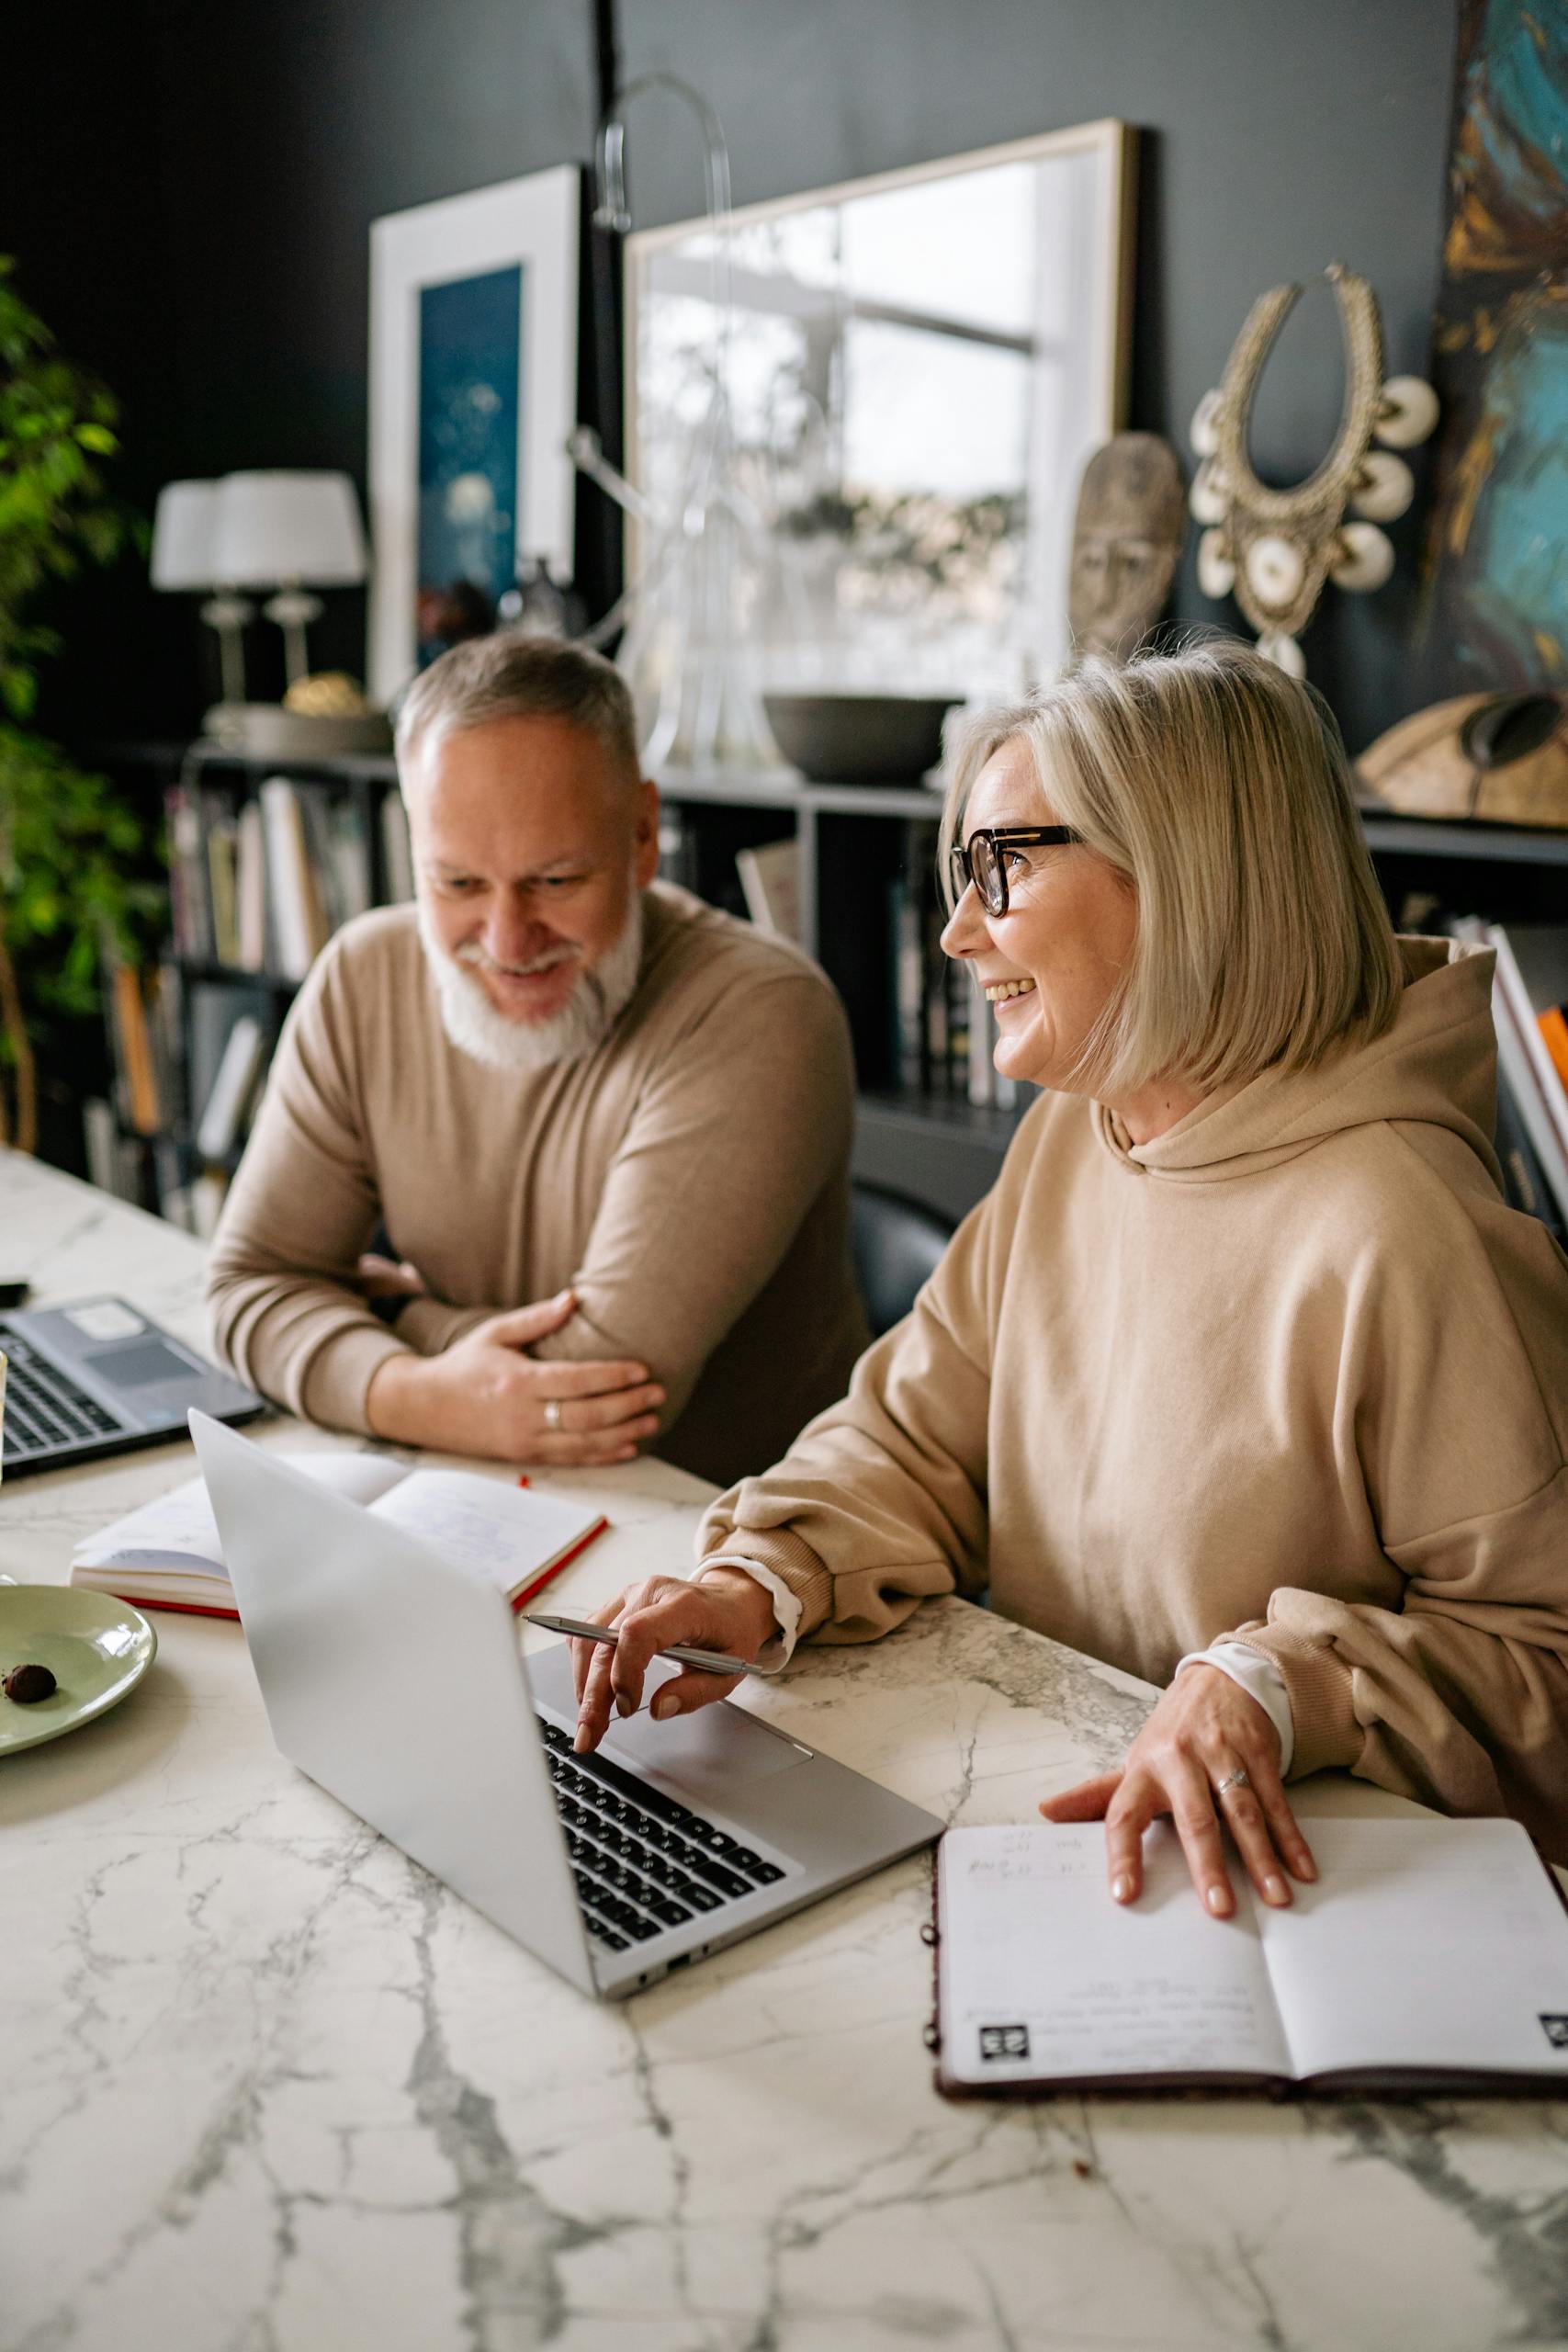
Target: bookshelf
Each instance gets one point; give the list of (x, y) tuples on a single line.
[(1504, 886), (1389, 835), (864, 860), (856, 847), (853, 845), (266, 858)]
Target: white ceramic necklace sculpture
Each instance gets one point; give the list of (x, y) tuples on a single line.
[(1273, 550)]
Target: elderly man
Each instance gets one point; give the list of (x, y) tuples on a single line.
[(608, 1125)]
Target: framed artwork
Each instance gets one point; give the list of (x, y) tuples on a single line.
[(473, 393), (1495, 607), (917, 366)]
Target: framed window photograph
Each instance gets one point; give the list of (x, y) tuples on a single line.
[(473, 393), (916, 367)]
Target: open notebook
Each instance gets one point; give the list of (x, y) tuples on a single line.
[(1429, 1955), (167, 1553)]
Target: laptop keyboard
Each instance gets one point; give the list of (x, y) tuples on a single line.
[(642, 1862), (43, 1409)]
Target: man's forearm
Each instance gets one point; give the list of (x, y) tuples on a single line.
[(397, 1404), (310, 1344), (430, 1325)]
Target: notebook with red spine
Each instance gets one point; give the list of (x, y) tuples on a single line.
[(167, 1554)]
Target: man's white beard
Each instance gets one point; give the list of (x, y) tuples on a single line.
[(597, 1002)]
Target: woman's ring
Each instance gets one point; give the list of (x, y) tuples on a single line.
[(552, 1413), (1237, 1779)]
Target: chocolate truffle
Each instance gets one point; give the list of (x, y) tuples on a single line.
[(27, 1684)]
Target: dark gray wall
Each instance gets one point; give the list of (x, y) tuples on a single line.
[(191, 199)]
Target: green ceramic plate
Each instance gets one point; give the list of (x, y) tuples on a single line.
[(95, 1647)]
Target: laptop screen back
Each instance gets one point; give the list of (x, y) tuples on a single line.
[(393, 1677)]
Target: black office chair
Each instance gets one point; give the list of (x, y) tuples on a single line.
[(895, 1244)]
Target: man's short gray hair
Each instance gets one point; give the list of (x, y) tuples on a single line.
[(511, 675)]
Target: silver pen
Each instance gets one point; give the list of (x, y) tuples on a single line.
[(704, 1661)]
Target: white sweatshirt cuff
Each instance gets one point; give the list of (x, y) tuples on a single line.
[(786, 1605), (1258, 1676)]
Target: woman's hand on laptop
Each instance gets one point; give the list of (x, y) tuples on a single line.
[(484, 1395), (722, 1609)]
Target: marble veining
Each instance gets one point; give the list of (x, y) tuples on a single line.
[(269, 2087)]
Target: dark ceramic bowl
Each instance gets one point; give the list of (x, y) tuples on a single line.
[(859, 739)]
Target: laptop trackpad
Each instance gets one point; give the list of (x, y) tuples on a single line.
[(707, 1754)]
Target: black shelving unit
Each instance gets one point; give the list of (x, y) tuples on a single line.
[(851, 841), (1390, 835), (1507, 873)]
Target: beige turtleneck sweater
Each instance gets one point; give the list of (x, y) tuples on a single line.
[(1292, 1373), (689, 1179)]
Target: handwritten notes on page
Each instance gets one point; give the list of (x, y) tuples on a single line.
[(169, 1554), (1426, 1953), (1043, 1977), (178, 1530), (510, 1534)]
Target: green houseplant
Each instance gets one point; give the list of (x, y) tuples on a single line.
[(71, 854)]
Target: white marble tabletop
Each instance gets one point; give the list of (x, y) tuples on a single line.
[(265, 2086)]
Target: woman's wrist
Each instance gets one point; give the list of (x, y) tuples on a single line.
[(746, 1589), (1255, 1672)]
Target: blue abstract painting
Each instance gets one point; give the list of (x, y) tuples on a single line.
[(470, 372), (1496, 574)]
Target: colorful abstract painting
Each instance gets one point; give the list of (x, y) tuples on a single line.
[(1496, 577), (470, 372)]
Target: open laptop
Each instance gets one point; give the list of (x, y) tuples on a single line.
[(98, 1377), (393, 1677)]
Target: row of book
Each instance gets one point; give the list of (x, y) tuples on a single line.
[(1530, 1010), (259, 882), (934, 1031), (943, 1034), (153, 1174), (188, 1057), (144, 1010)]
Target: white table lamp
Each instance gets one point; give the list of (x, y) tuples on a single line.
[(183, 558), (294, 531), (182, 535)]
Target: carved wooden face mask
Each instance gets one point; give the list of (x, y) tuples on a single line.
[(1126, 541), (1275, 549)]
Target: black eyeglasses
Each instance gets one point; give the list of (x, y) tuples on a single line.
[(982, 859)]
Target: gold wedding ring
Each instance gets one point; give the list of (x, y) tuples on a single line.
[(552, 1413)]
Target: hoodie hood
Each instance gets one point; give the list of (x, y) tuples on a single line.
[(1436, 1065)]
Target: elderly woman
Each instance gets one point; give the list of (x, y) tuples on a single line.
[(1243, 1378)]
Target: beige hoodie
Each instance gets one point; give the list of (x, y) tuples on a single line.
[(1292, 1372)]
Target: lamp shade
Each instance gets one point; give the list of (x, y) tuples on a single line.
[(182, 535), (276, 526)]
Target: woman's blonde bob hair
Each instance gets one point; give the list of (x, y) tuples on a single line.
[(1219, 788)]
